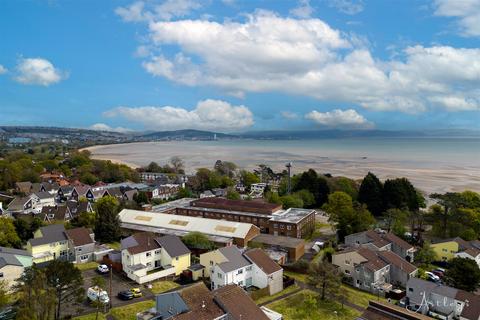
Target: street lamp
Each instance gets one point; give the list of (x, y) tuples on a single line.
[(289, 187)]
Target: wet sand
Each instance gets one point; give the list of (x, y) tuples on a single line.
[(429, 172)]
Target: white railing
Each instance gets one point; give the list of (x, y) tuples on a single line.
[(155, 275)]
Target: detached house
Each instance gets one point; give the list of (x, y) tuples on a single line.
[(147, 258), (23, 205), (54, 242), (79, 192), (56, 213), (45, 199), (251, 268), (457, 247)]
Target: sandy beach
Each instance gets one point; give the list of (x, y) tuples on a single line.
[(429, 169)]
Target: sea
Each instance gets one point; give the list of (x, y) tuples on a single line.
[(432, 164)]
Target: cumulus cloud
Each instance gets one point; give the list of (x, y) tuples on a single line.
[(208, 115), (141, 11), (266, 52), (350, 7), (289, 115), (105, 127), (339, 119), (3, 69), (38, 71), (304, 9), (466, 11)]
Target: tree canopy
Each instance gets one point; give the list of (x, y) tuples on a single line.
[(463, 274), (107, 223)]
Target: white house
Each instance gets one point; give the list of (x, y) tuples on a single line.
[(254, 267), (45, 199), (146, 258)]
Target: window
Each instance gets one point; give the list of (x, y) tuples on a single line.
[(176, 258), (240, 271), (211, 262), (282, 226), (79, 249), (84, 257), (149, 264), (249, 268), (410, 289), (219, 275), (148, 254), (289, 227), (240, 283), (1, 274), (347, 271), (444, 250), (157, 251)]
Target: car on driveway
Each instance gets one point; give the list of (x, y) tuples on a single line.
[(125, 295), (102, 269)]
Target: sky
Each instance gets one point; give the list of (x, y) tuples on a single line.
[(234, 66)]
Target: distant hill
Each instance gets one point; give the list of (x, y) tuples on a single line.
[(327, 134), (187, 134)]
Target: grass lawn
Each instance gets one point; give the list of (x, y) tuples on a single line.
[(114, 245), (162, 286), (359, 297), (86, 266), (281, 293), (298, 307), (297, 276), (130, 311), (91, 316)]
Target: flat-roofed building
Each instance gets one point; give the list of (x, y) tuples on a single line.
[(270, 218), (295, 248), (219, 231)]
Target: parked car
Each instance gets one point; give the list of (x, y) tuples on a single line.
[(98, 294), (125, 295), (438, 273), (102, 269), (137, 293), (432, 277)]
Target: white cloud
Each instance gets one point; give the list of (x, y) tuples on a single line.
[(207, 115), (270, 53), (304, 9), (466, 11), (38, 71), (339, 119), (105, 127), (289, 115), (350, 7), (141, 11), (3, 69)]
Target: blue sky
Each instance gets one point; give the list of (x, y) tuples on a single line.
[(236, 65)]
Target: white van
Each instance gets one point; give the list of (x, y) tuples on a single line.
[(98, 294)]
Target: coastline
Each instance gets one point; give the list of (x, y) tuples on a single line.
[(429, 175)]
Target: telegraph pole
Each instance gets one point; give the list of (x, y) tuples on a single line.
[(111, 276), (289, 187)]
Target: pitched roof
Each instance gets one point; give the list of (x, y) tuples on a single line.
[(394, 259), (59, 212), (13, 257), (51, 233), (80, 236), (234, 301), (235, 259), (473, 252), (377, 310), (173, 245), (200, 304), (374, 262), (24, 186), (262, 260), (17, 204), (377, 240), (43, 195), (398, 241), (471, 310), (140, 242)]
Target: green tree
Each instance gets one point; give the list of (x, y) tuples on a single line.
[(425, 255), (291, 201), (400, 193), (36, 298), (184, 193), (8, 234), (463, 274), (347, 218), (84, 219), (318, 186), (371, 194), (67, 282), (177, 164), (140, 198), (225, 168), (248, 178), (325, 277), (197, 240), (273, 197), (4, 295), (232, 194), (107, 225), (307, 198)]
